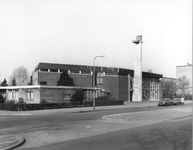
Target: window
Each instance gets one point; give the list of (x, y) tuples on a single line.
[(53, 70), (85, 72), (97, 94), (30, 95), (43, 83), (74, 71), (105, 94), (99, 78), (67, 96), (43, 70), (111, 73), (13, 94)]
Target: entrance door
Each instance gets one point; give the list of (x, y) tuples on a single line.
[(131, 95)]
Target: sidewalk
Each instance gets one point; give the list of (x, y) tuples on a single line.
[(83, 109), (13, 141), (79, 109)]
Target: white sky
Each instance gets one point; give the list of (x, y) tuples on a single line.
[(75, 31)]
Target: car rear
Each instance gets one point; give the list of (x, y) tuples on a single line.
[(161, 103)]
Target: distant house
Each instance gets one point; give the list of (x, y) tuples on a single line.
[(187, 71)]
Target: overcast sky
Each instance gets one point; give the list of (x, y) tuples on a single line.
[(75, 31)]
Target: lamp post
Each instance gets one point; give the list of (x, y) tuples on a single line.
[(94, 81)]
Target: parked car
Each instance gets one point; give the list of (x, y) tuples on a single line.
[(165, 102), (177, 101)]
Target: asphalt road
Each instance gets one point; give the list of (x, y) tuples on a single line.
[(170, 135), (65, 122), (22, 124)]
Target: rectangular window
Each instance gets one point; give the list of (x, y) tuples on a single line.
[(43, 83), (30, 95), (97, 94), (85, 72), (74, 71), (43, 70), (53, 70), (111, 73), (67, 96), (99, 78), (13, 94)]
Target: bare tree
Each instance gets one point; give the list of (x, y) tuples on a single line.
[(183, 84), (169, 87), (21, 76)]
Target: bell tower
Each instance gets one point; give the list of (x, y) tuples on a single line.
[(137, 83)]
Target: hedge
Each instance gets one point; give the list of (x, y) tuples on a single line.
[(187, 96), (26, 107)]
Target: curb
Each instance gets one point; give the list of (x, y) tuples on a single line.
[(19, 141), (22, 114), (77, 110)]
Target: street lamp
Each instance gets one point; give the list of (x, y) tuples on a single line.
[(94, 81)]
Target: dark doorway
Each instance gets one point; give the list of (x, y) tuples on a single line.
[(2, 96), (131, 95)]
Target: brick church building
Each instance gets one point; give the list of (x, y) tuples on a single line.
[(113, 83)]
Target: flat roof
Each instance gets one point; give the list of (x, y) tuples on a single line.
[(42, 65), (120, 71), (45, 86), (167, 78), (185, 65)]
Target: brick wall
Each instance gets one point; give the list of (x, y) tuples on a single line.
[(117, 85), (50, 77), (52, 95), (123, 88), (36, 95), (35, 78), (82, 80), (111, 83), (22, 93)]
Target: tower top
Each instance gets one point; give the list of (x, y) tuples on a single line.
[(138, 39)]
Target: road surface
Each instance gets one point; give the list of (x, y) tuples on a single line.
[(21, 124), (40, 130), (170, 135)]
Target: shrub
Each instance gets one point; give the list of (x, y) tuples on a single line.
[(25, 107), (2, 100), (187, 96), (43, 101), (10, 102), (102, 98), (78, 96), (21, 100)]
